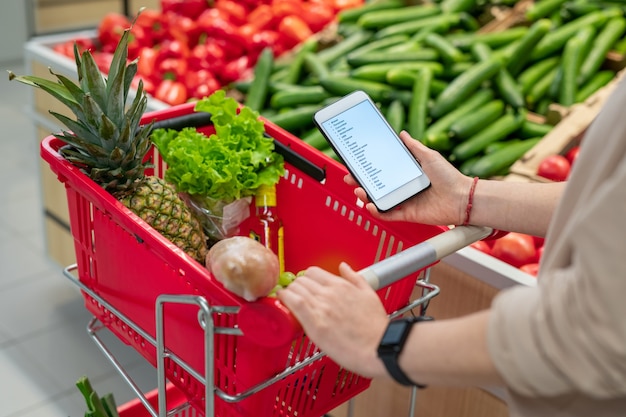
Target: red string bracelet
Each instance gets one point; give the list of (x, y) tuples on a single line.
[(470, 202)]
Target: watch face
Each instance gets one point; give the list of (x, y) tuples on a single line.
[(394, 333)]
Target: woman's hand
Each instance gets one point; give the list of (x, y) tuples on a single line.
[(342, 314), (443, 203)]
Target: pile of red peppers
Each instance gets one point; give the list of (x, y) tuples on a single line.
[(190, 48)]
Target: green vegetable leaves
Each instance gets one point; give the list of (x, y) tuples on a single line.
[(227, 165)]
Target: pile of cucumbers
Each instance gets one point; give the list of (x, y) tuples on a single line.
[(463, 91)]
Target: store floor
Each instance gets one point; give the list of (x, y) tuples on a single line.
[(44, 346)]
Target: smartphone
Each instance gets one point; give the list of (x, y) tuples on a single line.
[(371, 150)]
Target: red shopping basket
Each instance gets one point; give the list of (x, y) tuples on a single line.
[(129, 264)]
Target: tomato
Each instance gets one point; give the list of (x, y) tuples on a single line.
[(554, 167), (482, 246), (261, 17), (146, 62), (531, 269), (236, 12), (111, 29), (516, 249), (317, 15), (171, 92), (295, 29), (572, 154)]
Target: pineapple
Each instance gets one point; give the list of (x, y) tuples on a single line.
[(107, 142)]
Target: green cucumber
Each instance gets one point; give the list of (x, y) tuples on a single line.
[(396, 115), (520, 53), (529, 77), (541, 87), (493, 163), (353, 14), (599, 80), (607, 37), (405, 76), (379, 72), (464, 85), (344, 47), (542, 8), (414, 26), (442, 125), (383, 57), (572, 56), (453, 6), (384, 18), (418, 109), (295, 71), (296, 119), (554, 41), (530, 129), (380, 44), (497, 131), (341, 85), (448, 52), (315, 138), (464, 40), (507, 87), (314, 66), (297, 96), (257, 94), (478, 120)]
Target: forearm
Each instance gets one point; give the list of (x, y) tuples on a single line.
[(450, 352), (519, 207)]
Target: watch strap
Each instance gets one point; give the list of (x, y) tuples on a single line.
[(391, 361)]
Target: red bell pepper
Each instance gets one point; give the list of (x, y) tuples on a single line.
[(154, 24), (214, 23), (236, 12), (146, 62), (188, 8), (110, 30), (171, 92), (209, 55), (295, 29), (201, 83)]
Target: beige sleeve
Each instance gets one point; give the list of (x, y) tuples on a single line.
[(568, 334)]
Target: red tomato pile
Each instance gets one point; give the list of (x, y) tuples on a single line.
[(190, 48), (557, 167), (520, 250)]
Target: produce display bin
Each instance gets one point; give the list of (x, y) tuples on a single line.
[(129, 265)]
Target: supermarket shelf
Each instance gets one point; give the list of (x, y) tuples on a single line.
[(488, 269)]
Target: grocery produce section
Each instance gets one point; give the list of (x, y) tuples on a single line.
[(503, 89)]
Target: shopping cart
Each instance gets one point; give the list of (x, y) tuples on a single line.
[(217, 354)]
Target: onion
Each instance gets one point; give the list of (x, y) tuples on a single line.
[(244, 266)]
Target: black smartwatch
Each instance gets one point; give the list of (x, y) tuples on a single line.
[(391, 346)]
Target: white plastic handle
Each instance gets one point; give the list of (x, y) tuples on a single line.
[(415, 258)]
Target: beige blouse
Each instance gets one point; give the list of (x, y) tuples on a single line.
[(561, 346)]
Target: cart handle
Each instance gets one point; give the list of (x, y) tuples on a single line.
[(415, 258)]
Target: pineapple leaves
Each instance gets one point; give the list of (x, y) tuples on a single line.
[(82, 132), (120, 56), (55, 89), (93, 80)]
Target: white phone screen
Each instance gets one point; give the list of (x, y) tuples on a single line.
[(368, 144)]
